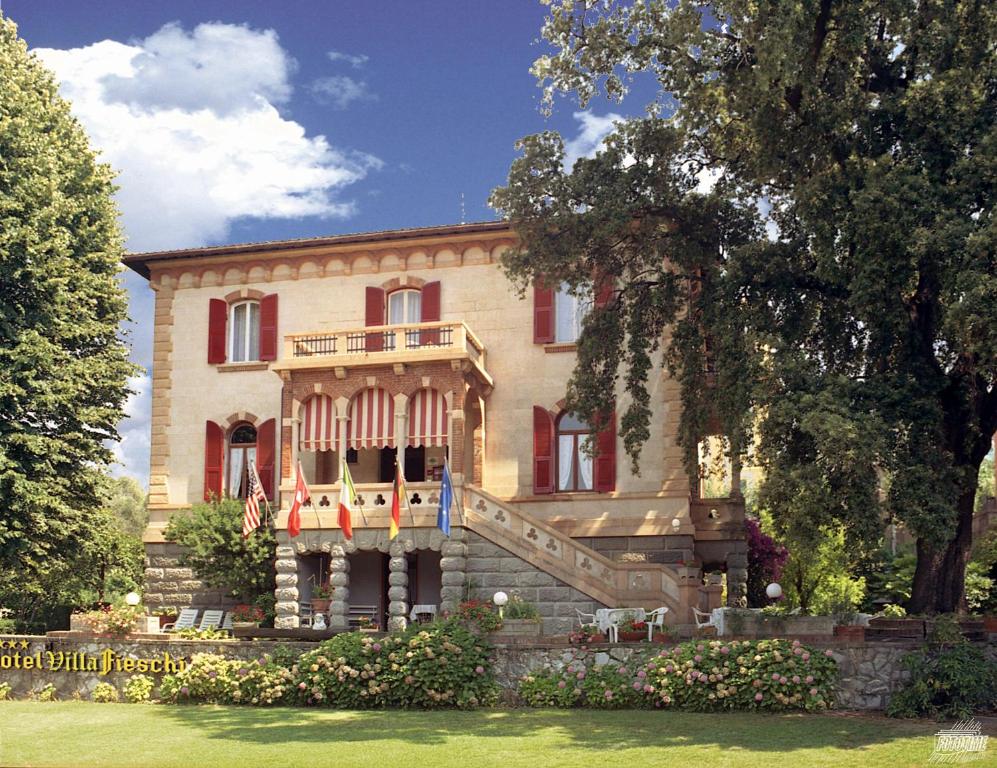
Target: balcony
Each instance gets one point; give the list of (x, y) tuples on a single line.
[(396, 345)]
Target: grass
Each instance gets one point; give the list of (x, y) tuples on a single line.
[(67, 734)]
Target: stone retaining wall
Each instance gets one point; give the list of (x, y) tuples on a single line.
[(869, 672), (171, 585)]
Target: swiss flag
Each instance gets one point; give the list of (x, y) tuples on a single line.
[(301, 497)]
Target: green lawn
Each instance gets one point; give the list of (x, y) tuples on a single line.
[(111, 735)]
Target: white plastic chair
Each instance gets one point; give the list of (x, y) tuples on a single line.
[(704, 619), (211, 620), (186, 620), (227, 622), (655, 618), (585, 619)]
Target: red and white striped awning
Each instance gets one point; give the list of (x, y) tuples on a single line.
[(372, 420), (427, 419), (318, 427)]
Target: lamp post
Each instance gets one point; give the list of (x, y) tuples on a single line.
[(500, 599), (133, 599), (774, 591)]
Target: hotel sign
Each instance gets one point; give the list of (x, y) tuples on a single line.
[(102, 663)]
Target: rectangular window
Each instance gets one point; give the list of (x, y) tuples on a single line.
[(569, 311)]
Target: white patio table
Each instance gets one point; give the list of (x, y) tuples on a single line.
[(608, 619)]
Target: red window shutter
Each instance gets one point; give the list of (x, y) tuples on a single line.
[(268, 327), (430, 312), (603, 292), (543, 314), (266, 451), (217, 337), (214, 458), (543, 451), (374, 315), (605, 458)]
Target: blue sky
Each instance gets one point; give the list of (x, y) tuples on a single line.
[(243, 121)]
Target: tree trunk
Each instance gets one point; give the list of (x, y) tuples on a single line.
[(940, 574)]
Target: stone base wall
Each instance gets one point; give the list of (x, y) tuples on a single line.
[(869, 672), (171, 585), (491, 569)]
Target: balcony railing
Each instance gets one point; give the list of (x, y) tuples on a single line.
[(384, 344)]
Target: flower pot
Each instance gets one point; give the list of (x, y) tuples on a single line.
[(896, 628), (659, 637), (168, 619), (576, 638), (852, 632), (634, 636), (245, 624), (321, 605), (519, 628)]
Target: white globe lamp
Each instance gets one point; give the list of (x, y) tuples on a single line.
[(774, 591), (133, 598), (500, 599)]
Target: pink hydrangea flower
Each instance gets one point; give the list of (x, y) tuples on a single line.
[(813, 691), (648, 689), (641, 674), (479, 669), (775, 675), (806, 656), (561, 684), (637, 685), (758, 697), (829, 653), (809, 679), (725, 650), (796, 679), (697, 658), (608, 695), (581, 675)]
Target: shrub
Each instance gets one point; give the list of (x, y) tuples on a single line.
[(5, 691), (7, 626), (249, 613), (202, 634), (699, 676), (46, 693), (947, 681), (213, 679), (115, 620), (138, 689), (442, 664), (481, 614), (765, 561), (891, 611), (518, 608), (104, 693)]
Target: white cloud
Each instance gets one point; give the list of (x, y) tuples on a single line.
[(354, 60), (340, 91), (592, 130), (190, 121), (132, 453)]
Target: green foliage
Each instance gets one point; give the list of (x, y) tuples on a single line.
[(5, 690), (127, 503), (702, 677), (891, 611), (138, 689), (63, 357), (946, 682), (213, 545), (858, 332), (105, 693), (481, 614), (518, 608), (193, 633), (46, 693), (889, 578), (429, 666), (118, 620), (212, 679)]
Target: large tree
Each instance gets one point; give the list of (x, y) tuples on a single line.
[(841, 267), (63, 362)]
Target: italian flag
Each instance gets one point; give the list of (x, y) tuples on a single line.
[(398, 493), (347, 496)]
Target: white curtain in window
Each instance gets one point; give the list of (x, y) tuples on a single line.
[(239, 333), (254, 332), (404, 307), (565, 316), (235, 469), (584, 469), (565, 461)]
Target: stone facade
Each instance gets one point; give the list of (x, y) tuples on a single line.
[(491, 569), (168, 584)]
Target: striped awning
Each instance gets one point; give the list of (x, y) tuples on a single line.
[(372, 420), (427, 418), (318, 426)]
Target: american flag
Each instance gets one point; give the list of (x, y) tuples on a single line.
[(251, 517)]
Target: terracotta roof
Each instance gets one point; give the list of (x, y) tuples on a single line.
[(139, 262)]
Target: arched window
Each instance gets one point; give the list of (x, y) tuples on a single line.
[(241, 453), (574, 466), (404, 306), (244, 331)]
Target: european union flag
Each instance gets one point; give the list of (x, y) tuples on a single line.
[(446, 501)]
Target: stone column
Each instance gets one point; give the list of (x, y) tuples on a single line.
[(453, 563), (737, 580), (286, 592), (339, 577), (398, 606)]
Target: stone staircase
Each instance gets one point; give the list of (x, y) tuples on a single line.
[(614, 584)]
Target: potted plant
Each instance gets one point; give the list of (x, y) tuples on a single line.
[(631, 629), (166, 616), (585, 634), (322, 597), (846, 626), (367, 624), (893, 621), (520, 618), (246, 616)]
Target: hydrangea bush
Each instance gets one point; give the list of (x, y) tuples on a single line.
[(442, 664), (700, 676), (138, 689), (213, 679), (104, 693)]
